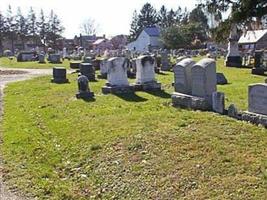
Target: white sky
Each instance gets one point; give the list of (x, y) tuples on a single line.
[(113, 16)]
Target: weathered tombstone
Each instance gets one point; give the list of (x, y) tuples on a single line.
[(145, 74), (59, 75), (182, 76), (103, 68), (218, 103), (83, 87), (233, 111), (87, 60), (221, 79), (41, 58), (233, 58), (25, 56), (258, 63), (257, 98), (54, 58), (165, 63), (75, 64), (204, 81), (88, 70), (117, 77)]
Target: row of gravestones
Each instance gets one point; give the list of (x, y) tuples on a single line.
[(195, 88)]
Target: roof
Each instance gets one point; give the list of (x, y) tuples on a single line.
[(252, 36), (152, 31), (99, 41)]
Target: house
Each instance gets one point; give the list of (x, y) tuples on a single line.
[(102, 44), (253, 40), (86, 41), (148, 39)]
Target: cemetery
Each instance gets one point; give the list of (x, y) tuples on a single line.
[(143, 120)]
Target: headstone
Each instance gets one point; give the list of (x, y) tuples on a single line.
[(183, 77), (59, 75), (258, 68), (232, 111), (204, 81), (103, 68), (26, 56), (145, 74), (87, 60), (257, 98), (117, 81), (88, 70), (83, 87), (41, 58), (54, 58), (233, 58), (165, 63), (218, 103), (221, 79), (75, 65)]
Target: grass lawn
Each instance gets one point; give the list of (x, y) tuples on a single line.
[(130, 146), (6, 62)]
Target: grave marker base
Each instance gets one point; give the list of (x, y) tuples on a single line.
[(151, 86), (190, 102), (85, 95), (113, 89)]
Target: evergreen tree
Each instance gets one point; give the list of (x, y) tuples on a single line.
[(171, 18), (42, 25), (198, 16), (147, 17), (21, 26), (135, 29), (162, 17), (2, 31), (32, 24), (54, 29), (11, 27)]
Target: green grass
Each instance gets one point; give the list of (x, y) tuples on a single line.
[(130, 146), (6, 62)]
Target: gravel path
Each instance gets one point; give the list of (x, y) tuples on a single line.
[(7, 76)]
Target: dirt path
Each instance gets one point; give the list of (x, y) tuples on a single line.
[(7, 76)]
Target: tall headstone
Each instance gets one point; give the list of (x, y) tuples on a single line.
[(257, 98), (204, 81), (117, 81), (41, 58), (83, 88), (182, 76), (165, 63), (88, 70), (145, 74), (103, 68), (233, 58), (59, 75), (218, 103)]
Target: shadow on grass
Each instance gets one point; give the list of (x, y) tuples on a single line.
[(161, 94), (131, 97), (88, 99), (162, 73)]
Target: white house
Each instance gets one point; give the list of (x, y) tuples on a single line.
[(148, 39)]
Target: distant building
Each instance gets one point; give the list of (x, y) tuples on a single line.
[(102, 44), (87, 41), (119, 41), (253, 40), (148, 39)]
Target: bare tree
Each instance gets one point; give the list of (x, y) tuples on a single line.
[(89, 27)]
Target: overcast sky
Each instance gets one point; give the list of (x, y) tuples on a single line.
[(113, 16)]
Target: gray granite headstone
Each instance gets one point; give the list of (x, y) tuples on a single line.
[(218, 104), (41, 58), (59, 75), (204, 81), (221, 79), (257, 98), (165, 63), (54, 58), (83, 87), (88, 70), (182, 76)]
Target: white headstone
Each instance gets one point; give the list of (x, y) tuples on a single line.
[(145, 69), (204, 81), (117, 71), (183, 77), (257, 98), (104, 66)]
